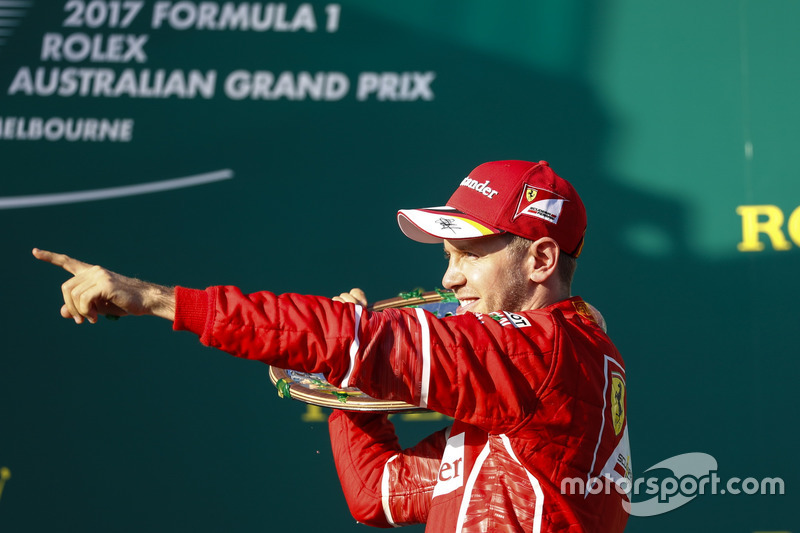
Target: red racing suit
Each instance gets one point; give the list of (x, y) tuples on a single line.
[(539, 440)]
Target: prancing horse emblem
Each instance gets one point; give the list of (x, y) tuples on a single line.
[(617, 402), (530, 194)]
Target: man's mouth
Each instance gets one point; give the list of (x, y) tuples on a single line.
[(466, 305)]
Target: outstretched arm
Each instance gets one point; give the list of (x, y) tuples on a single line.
[(94, 290)]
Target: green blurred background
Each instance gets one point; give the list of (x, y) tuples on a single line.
[(667, 117)]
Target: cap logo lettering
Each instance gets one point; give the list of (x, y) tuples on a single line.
[(540, 203), (482, 188)]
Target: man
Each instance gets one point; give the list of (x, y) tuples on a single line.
[(534, 385)]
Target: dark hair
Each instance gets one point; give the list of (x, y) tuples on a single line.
[(566, 263)]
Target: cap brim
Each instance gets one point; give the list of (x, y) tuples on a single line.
[(434, 224)]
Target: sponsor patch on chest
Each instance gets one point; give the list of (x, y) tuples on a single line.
[(507, 319), (451, 471)]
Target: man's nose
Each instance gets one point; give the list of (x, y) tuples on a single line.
[(453, 277)]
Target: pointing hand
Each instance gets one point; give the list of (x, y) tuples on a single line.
[(94, 290)]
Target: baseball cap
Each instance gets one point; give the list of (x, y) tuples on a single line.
[(520, 197)]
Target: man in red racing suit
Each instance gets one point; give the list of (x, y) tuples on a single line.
[(533, 395), (540, 438), (536, 389)]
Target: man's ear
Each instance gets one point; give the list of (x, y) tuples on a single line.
[(542, 259)]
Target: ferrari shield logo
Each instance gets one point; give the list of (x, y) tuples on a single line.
[(617, 402), (530, 194)]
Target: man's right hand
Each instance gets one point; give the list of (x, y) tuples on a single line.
[(94, 290), (355, 296)]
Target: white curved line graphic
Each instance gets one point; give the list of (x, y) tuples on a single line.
[(38, 200)]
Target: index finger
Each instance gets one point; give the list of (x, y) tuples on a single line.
[(73, 266)]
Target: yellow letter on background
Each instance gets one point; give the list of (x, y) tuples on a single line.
[(313, 414), (793, 227), (5, 475), (751, 227)]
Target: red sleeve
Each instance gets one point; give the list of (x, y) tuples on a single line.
[(294, 331), (310, 334), (451, 366), (384, 486)]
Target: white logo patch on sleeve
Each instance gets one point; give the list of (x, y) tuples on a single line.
[(451, 471)]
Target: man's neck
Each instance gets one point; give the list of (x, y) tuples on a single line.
[(546, 295)]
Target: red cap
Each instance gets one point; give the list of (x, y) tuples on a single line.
[(520, 197)]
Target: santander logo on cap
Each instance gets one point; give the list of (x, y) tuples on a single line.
[(482, 188)]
